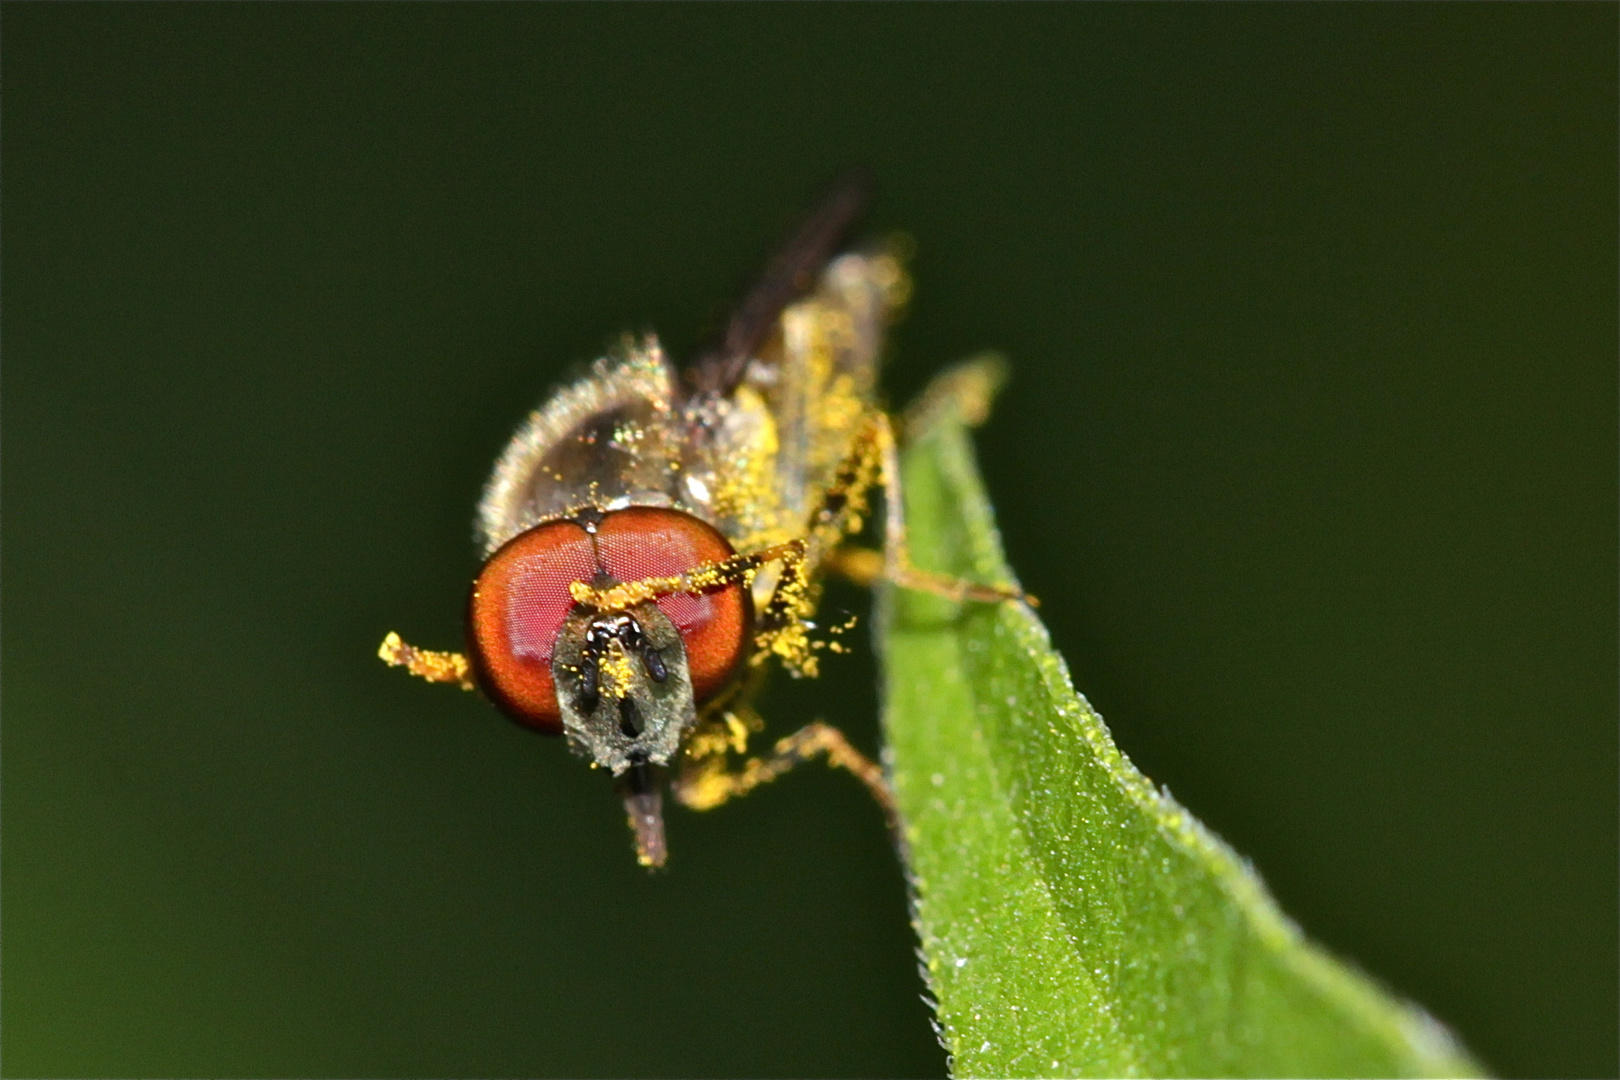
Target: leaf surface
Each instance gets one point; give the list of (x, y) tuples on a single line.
[(1075, 920)]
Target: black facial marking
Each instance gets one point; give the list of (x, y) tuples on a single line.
[(630, 633), (630, 721), (589, 693), (656, 671)]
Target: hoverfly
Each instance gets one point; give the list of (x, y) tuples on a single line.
[(652, 536)]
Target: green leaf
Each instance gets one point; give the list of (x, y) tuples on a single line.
[(1075, 920)]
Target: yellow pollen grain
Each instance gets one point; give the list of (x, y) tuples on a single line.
[(617, 671)]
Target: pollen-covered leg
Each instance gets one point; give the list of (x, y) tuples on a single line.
[(699, 579), (705, 781), (440, 667), (784, 624), (855, 563), (865, 567)]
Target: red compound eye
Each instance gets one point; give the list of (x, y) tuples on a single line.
[(644, 542), (521, 598), (518, 603)]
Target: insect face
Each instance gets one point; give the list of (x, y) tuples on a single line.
[(623, 686), (622, 681)]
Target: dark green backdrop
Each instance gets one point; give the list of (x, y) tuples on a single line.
[(1311, 454)]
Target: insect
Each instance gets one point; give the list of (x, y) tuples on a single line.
[(653, 537)]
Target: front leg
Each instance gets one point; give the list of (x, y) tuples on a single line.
[(429, 664), (705, 779)]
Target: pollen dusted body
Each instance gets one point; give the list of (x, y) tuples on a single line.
[(651, 536)]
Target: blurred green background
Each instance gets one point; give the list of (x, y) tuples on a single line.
[(1310, 452)]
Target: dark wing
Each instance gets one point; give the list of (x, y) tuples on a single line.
[(789, 274)]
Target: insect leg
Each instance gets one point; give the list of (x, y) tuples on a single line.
[(856, 563), (441, 667), (898, 566), (704, 782), (713, 575), (876, 456)]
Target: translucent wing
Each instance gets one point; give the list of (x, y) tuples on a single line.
[(610, 439), (791, 272)]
